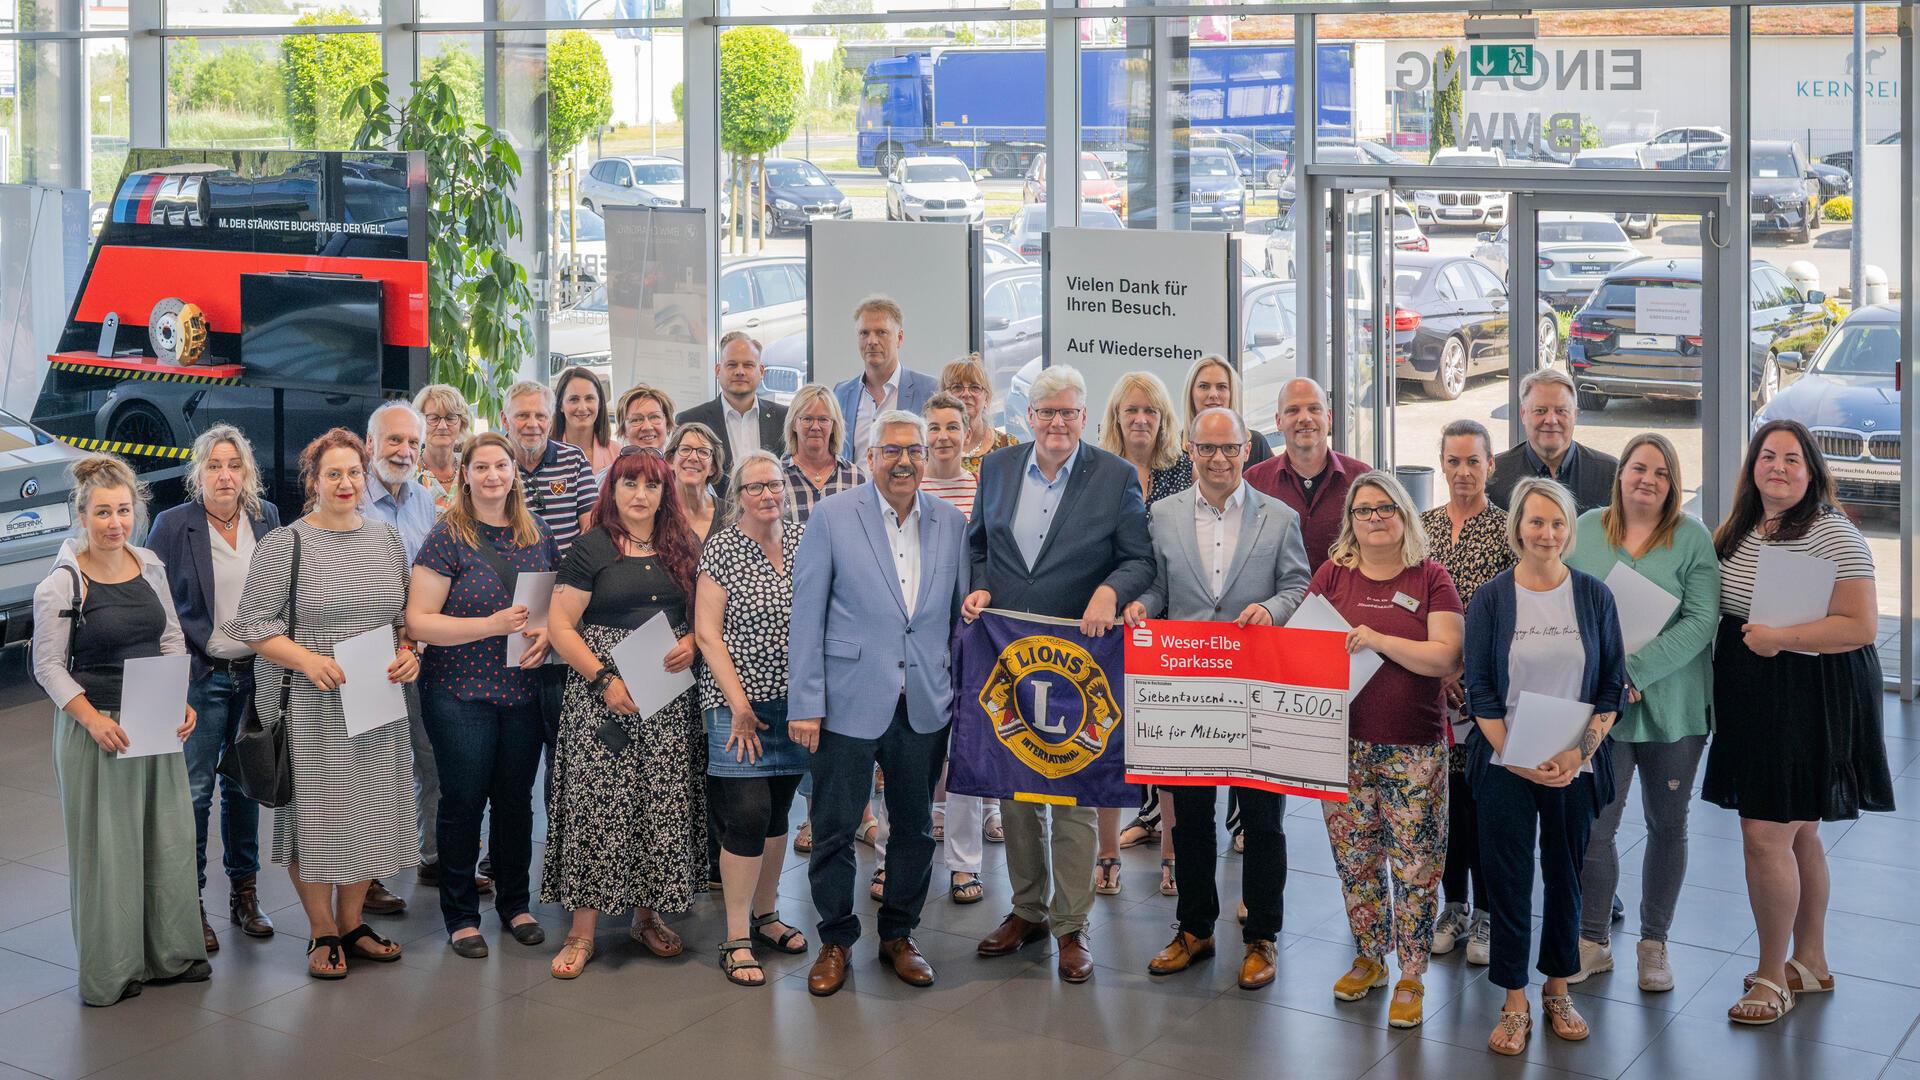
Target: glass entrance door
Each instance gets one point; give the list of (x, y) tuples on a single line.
[(1360, 316)]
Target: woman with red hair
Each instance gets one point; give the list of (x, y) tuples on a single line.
[(625, 824)]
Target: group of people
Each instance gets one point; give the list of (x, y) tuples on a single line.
[(814, 562)]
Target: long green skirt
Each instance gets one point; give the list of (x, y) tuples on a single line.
[(130, 859)]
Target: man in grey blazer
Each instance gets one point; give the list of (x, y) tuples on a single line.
[(878, 582), (884, 382), (1224, 552)]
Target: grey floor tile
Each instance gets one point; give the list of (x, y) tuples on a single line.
[(12, 796), (8, 1072), (1901, 1069), (53, 860), (1878, 949), (249, 972), (235, 1048), (1878, 838), (822, 1036), (989, 1050), (385, 1006), (28, 893), (24, 978), (1309, 967), (1136, 1069), (962, 974), (1233, 1038), (521, 1037), (654, 997), (1426, 1059), (1704, 918), (1620, 1031), (1123, 1013), (1691, 1047), (509, 966), (60, 1038), (30, 827), (49, 939), (1694, 969)]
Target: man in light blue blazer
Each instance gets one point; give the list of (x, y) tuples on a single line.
[(878, 582), (1224, 552), (883, 383)]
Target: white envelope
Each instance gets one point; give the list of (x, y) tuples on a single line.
[(638, 658), (1642, 606), (367, 698), (534, 591), (1539, 727), (1317, 613), (153, 704), (1790, 588)]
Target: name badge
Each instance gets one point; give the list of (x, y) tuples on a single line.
[(1406, 601)]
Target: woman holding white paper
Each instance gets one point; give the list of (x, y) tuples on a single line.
[(626, 821), (1540, 629), (1664, 721), (129, 822), (1799, 737), (1390, 835), (482, 715), (330, 576)]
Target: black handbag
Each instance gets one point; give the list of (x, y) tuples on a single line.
[(259, 761)]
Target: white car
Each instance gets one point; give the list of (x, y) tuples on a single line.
[(1576, 251), (1407, 235), (934, 189), (580, 254), (1674, 142), (634, 181), (1462, 206)]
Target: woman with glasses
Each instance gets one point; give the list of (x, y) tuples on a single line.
[(1546, 629), (646, 418), (966, 379), (1390, 835), (815, 433), (1212, 383), (449, 420), (695, 469), (743, 607), (580, 417)]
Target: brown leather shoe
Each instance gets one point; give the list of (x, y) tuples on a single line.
[(1180, 953), (1256, 971), (829, 972), (1076, 957), (1013, 934), (904, 958), (381, 901), (245, 906), (483, 885), (206, 931)]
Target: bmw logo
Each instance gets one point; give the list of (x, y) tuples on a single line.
[(29, 489)]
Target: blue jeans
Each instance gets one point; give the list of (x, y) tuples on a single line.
[(487, 755), (219, 701)]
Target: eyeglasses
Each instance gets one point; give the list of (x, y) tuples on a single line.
[(1048, 416), (442, 419), (1374, 513), (966, 388), (1225, 449), (701, 452), (814, 421), (890, 452), (762, 487)]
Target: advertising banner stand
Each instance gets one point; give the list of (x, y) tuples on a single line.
[(657, 300)]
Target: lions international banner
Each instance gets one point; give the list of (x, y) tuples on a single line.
[(1037, 713), (1254, 706)]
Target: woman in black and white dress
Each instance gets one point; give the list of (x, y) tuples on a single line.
[(352, 814)]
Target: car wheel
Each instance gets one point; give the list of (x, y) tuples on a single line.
[(1547, 344), (587, 205), (1003, 161), (1591, 401), (1769, 382), (1275, 178), (1450, 380), (140, 423), (1813, 213), (885, 158)]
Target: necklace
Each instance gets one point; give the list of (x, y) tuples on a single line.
[(226, 524)]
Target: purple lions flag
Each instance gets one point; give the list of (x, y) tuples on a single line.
[(1037, 712)]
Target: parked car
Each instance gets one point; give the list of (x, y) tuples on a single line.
[(1342, 152), (34, 518), (1262, 165), (580, 257), (633, 181), (1844, 158), (797, 193), (1609, 357), (1269, 333), (1437, 206), (1023, 234), (1612, 157), (1784, 191), (1407, 235), (1000, 253), (1451, 322), (1849, 398), (1096, 183), (1834, 180), (1575, 250), (1673, 142), (934, 189), (1217, 194)]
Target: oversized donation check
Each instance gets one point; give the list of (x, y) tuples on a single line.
[(1258, 706)]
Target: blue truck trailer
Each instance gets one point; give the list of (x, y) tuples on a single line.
[(987, 107)]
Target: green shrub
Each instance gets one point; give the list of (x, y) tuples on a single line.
[(1838, 208)]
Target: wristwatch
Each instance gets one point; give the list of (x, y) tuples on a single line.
[(606, 675)]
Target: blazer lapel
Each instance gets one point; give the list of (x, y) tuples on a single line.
[(1253, 518), (882, 547), (929, 545), (1187, 529), (771, 436), (199, 540), (1076, 483)]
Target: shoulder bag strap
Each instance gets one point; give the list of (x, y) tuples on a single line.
[(293, 603), (497, 563), (73, 614)]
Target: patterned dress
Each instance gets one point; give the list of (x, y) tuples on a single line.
[(352, 814)]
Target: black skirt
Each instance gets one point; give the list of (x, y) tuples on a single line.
[(1797, 738)]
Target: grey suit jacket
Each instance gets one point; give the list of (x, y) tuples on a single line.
[(1269, 564)]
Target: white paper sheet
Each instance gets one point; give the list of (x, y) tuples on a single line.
[(638, 658), (534, 590), (1316, 612), (1540, 727), (1642, 606), (367, 698), (1790, 588), (153, 704)]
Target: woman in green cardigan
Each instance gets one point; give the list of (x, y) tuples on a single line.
[(1663, 727)]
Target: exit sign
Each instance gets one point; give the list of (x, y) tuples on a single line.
[(1501, 61)]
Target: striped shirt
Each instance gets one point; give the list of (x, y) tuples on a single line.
[(560, 489), (1832, 537), (802, 495), (957, 493)]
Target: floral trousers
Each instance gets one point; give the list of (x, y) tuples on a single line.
[(1390, 845)]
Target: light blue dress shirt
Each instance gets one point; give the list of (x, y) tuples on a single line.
[(411, 513), (1039, 499)]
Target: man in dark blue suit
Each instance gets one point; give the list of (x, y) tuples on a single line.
[(1059, 529)]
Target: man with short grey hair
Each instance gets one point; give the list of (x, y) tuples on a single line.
[(557, 477), (1549, 409)]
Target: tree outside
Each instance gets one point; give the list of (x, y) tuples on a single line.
[(320, 71), (761, 88)]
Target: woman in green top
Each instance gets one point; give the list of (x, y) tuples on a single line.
[(1663, 727)]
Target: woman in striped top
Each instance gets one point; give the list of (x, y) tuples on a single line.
[(1799, 739)]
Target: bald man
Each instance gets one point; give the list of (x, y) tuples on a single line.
[(1310, 476)]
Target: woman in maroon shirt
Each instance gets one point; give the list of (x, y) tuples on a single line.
[(1401, 605)]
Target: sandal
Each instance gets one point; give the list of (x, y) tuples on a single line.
[(939, 825), (1563, 1019), (966, 892), (783, 943), (1137, 834), (653, 935), (333, 965), (1169, 886), (1744, 1011), (1512, 1024), (868, 829), (560, 969), (365, 933), (877, 885), (803, 839), (731, 967), (1106, 877), (1800, 979), (993, 828), (1240, 843)]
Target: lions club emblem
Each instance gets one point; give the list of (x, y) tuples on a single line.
[(1050, 704)]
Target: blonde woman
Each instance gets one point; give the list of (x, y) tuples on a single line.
[(646, 418), (1212, 383), (694, 453), (816, 430), (966, 379), (449, 420), (1390, 835)]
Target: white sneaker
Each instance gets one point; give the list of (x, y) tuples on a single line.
[(1480, 941), (1449, 928), (1594, 959), (1656, 975)]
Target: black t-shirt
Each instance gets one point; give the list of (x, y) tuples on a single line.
[(122, 621), (626, 592)]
